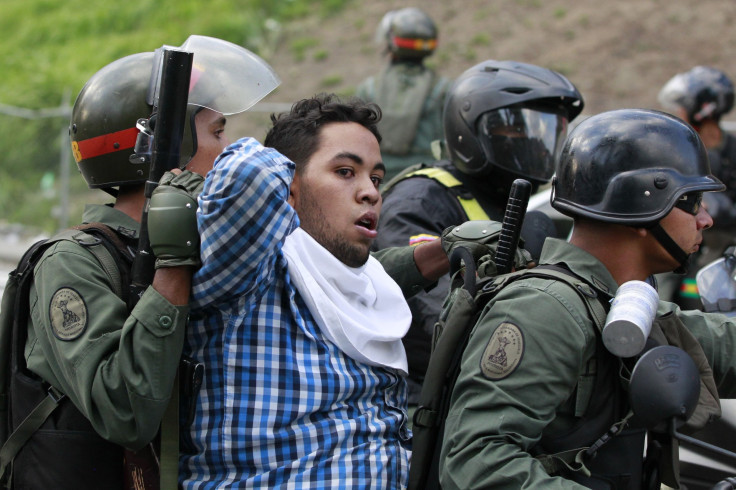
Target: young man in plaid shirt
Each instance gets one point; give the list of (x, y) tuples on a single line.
[(298, 326)]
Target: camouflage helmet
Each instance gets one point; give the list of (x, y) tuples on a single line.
[(103, 128), (409, 33), (703, 92)]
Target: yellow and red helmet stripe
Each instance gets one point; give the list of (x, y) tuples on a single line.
[(105, 143), (415, 44), (689, 288)]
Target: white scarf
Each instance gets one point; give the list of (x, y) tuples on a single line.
[(361, 310)]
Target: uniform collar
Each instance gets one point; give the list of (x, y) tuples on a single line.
[(117, 220), (580, 262)]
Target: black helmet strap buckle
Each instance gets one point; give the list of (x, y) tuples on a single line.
[(682, 257)]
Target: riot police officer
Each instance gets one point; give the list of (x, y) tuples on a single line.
[(108, 368), (633, 182), (702, 96), (503, 120), (410, 94)]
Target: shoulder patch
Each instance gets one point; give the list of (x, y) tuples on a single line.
[(503, 352), (67, 314)]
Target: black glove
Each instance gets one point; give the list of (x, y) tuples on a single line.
[(172, 220)]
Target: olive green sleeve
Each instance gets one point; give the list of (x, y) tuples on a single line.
[(522, 363), (717, 335), (398, 262), (117, 368)]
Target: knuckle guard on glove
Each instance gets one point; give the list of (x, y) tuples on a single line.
[(172, 227), (481, 239)]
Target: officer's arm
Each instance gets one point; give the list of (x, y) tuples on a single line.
[(431, 260), (174, 284), (716, 334), (521, 365), (117, 367), (414, 213)]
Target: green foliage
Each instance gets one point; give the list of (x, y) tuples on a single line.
[(51, 48), (331, 81), (300, 46), (481, 39)]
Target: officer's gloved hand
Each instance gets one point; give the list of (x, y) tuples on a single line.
[(172, 220), (481, 239)]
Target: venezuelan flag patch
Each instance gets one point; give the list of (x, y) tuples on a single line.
[(689, 288), (424, 237)]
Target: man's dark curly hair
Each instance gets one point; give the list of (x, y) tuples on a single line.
[(295, 134)]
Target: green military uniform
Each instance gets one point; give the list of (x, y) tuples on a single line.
[(525, 375), (411, 97), (118, 368), (398, 262)]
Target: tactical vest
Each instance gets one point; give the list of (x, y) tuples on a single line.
[(594, 452), (50, 443), (467, 202), (403, 91)]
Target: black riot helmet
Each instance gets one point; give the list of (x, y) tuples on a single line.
[(703, 92), (509, 118), (104, 123), (631, 167), (409, 33)]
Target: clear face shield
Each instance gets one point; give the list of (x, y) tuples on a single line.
[(524, 141), (717, 284), (225, 78)]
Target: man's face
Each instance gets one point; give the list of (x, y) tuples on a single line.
[(686, 229), (336, 195), (211, 140)]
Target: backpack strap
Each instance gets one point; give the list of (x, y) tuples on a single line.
[(594, 298), (26, 429), (117, 252), (574, 459)]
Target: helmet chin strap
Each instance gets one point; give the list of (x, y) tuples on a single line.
[(673, 248)]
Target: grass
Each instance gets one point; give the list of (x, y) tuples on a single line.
[(51, 48)]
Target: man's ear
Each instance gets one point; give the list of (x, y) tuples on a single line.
[(294, 191)]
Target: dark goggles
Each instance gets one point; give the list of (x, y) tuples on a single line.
[(690, 202)]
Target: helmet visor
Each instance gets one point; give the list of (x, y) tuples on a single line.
[(523, 141), (226, 78)]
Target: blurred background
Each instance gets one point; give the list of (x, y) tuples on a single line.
[(619, 54)]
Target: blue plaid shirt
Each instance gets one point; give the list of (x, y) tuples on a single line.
[(280, 405)]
